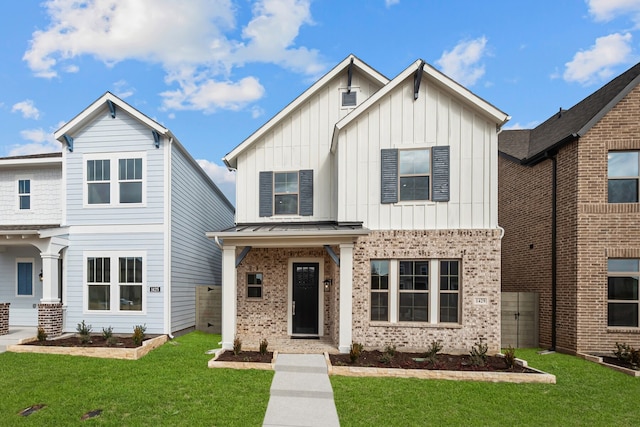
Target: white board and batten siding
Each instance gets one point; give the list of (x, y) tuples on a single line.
[(120, 135), (398, 121), (197, 207), (301, 140)]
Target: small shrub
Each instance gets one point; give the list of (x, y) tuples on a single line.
[(635, 358), (479, 353), (138, 334), (622, 352), (433, 350), (263, 346), (84, 332), (107, 333), (237, 346), (111, 341), (42, 335), (510, 357), (385, 357), (390, 350), (355, 352)]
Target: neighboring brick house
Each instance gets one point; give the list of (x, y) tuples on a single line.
[(569, 207), (367, 212), (110, 231)]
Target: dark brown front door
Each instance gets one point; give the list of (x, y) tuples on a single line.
[(305, 298)]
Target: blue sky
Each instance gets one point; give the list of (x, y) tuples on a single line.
[(214, 71)]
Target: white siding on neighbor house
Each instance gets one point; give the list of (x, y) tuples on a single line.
[(197, 207), (45, 197), (299, 141), (110, 240), (397, 121), (23, 310), (118, 135)]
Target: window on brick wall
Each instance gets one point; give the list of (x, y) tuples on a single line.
[(415, 290), (623, 302), (623, 175), (254, 285), (380, 290)]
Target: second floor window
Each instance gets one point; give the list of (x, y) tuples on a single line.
[(285, 193), (130, 178), (414, 172), (623, 174), (98, 181), (24, 194)]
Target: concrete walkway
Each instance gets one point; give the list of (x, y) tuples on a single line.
[(16, 333), (301, 394)]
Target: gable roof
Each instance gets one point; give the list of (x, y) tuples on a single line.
[(429, 72), (230, 158), (32, 159), (567, 125)]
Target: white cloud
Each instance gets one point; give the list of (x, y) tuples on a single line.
[(597, 64), (223, 177), (190, 40), (40, 141), (517, 125), (390, 3), (606, 10), (28, 110), (462, 63), (122, 89)]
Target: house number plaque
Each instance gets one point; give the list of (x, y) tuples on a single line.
[(480, 300), (154, 289)]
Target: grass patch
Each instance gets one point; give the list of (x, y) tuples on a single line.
[(170, 386), (585, 394)]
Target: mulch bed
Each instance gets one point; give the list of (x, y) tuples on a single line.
[(246, 356), (611, 360), (402, 360), (95, 341)]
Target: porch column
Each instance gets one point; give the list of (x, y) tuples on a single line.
[(229, 297), (50, 278), (346, 303)]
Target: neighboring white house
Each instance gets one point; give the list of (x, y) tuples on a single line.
[(367, 212), (116, 226)]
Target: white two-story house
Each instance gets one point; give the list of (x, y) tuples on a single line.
[(114, 231), (367, 212)]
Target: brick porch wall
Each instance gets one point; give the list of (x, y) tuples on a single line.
[(479, 251), (4, 318), (50, 319)]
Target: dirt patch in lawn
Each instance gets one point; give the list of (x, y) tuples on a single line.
[(246, 356), (445, 362), (94, 341)]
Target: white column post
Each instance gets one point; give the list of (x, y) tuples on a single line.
[(346, 295), (229, 296), (50, 278)]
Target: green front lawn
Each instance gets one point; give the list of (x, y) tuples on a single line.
[(586, 394), (170, 386)]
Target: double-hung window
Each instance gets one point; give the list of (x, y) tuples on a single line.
[(623, 301), (449, 291), (115, 282), (380, 290), (285, 193), (24, 194), (130, 180), (414, 172), (414, 291), (254, 285), (623, 174), (98, 181)]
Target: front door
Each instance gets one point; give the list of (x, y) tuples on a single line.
[(304, 313)]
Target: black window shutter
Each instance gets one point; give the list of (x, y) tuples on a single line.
[(306, 192), (440, 174), (389, 175), (266, 194)]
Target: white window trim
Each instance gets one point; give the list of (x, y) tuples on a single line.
[(30, 194), (434, 293), (114, 179), (400, 176), (290, 215), (247, 285), (114, 285), (33, 277)]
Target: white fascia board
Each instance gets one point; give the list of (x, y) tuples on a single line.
[(88, 112), (288, 239), (230, 158), (498, 116), (31, 161)]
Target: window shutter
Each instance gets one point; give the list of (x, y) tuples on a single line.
[(306, 192), (266, 194), (389, 175), (440, 174)]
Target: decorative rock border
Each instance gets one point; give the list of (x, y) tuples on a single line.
[(355, 371), (599, 360), (101, 352), (214, 363)]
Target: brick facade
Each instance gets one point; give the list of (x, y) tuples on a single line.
[(50, 319), (589, 231), (478, 250), (4, 318)]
